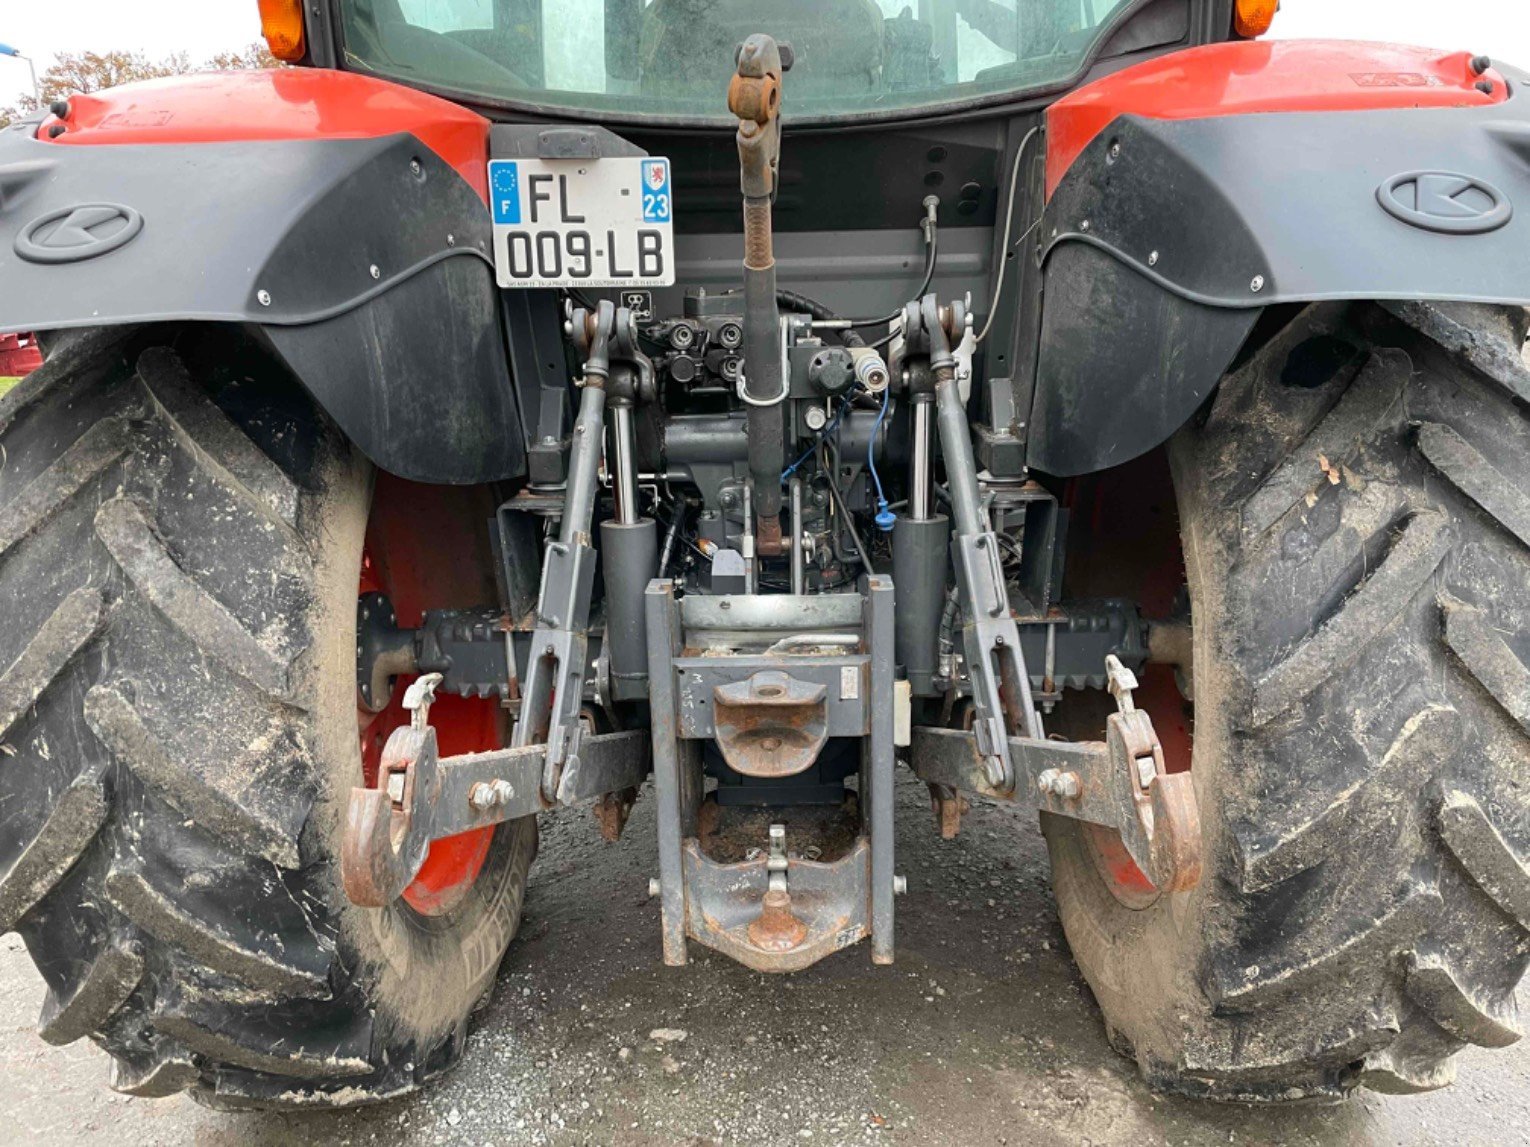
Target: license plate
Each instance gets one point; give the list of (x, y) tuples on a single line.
[(583, 222)]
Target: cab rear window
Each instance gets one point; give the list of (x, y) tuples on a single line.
[(672, 59)]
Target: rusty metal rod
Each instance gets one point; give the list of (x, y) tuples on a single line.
[(754, 96)]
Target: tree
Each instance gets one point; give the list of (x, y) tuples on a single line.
[(74, 73), (255, 55)]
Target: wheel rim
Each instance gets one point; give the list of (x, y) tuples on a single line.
[(1125, 507), (416, 573)]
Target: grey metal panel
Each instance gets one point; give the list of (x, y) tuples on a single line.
[(853, 272), (344, 250), (813, 613), (1244, 211), (1167, 238), (699, 676), (305, 221)]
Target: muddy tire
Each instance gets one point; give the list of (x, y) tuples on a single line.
[(1355, 511), (179, 548)]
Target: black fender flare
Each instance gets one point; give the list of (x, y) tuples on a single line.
[(1166, 239), (365, 263)]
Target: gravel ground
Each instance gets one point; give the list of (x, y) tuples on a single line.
[(982, 1033)]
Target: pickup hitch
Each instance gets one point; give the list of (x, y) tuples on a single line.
[(1120, 783), (421, 797)]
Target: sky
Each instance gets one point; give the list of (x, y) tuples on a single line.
[(201, 28)]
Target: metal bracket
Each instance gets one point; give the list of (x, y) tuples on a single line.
[(1121, 783)]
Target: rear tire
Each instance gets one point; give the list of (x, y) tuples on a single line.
[(1355, 510), (180, 541)]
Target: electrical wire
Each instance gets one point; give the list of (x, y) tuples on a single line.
[(929, 277), (1009, 218), (830, 428), (885, 518), (843, 509), (817, 310)]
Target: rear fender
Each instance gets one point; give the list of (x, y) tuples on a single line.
[(343, 216), (1191, 192)]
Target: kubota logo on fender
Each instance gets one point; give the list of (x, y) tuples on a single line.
[(1446, 202), (74, 234)]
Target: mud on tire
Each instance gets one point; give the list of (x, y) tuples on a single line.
[(1355, 511), (180, 535)]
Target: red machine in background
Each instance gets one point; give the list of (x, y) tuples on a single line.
[(19, 355)]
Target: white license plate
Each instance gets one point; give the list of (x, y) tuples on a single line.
[(583, 222)]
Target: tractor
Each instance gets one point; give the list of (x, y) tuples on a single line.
[(509, 405)]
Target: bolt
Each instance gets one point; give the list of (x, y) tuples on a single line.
[(414, 167), (1084, 226), (729, 499), (1257, 285), (451, 240), (815, 418), (653, 886), (264, 298), (900, 885), (1067, 786), (376, 271), (1153, 259), (1047, 780), (1115, 150), (504, 791), (481, 797)]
